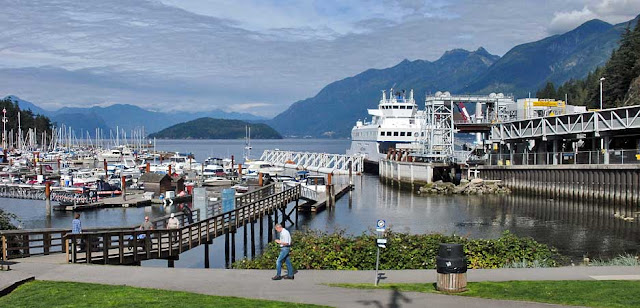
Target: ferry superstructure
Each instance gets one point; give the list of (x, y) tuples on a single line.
[(397, 120)]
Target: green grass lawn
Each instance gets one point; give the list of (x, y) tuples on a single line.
[(591, 293), (72, 294)]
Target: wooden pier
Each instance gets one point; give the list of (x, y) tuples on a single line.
[(260, 209)]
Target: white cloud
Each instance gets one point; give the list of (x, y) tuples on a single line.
[(565, 21), (261, 55), (612, 11)]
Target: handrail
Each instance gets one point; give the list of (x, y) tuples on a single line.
[(30, 242), (164, 243)]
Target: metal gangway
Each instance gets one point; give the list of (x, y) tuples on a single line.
[(37, 192), (319, 162)]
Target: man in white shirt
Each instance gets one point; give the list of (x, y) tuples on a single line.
[(285, 247)]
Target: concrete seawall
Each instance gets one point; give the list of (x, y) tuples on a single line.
[(407, 175), (618, 184)]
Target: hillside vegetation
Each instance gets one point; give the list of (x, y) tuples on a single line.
[(621, 86), (210, 128)]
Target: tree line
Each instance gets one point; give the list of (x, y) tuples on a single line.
[(621, 86), (27, 118)]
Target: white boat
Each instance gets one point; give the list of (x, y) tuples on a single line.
[(260, 166), (217, 181), (397, 121), (315, 182), (213, 170)]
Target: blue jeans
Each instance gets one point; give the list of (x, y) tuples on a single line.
[(284, 255)]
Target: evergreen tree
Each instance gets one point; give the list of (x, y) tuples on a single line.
[(549, 91)]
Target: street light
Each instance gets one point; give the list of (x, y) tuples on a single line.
[(601, 80)]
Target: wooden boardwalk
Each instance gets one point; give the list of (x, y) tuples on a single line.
[(125, 246)]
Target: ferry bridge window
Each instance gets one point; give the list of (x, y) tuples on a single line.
[(395, 107), (395, 134), (409, 134), (388, 133), (422, 134), (401, 134), (381, 133)]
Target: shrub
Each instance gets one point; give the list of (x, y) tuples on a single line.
[(321, 250)]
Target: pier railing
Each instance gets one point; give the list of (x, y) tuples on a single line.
[(241, 200), (36, 242), (132, 246), (565, 158)]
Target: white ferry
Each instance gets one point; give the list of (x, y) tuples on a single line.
[(396, 121)]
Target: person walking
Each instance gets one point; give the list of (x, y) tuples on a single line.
[(76, 228), (285, 248), (76, 224), (172, 224)]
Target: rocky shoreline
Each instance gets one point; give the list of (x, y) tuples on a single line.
[(466, 187)]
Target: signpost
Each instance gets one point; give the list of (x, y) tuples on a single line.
[(228, 199), (381, 226)]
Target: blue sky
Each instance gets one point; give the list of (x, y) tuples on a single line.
[(255, 56)]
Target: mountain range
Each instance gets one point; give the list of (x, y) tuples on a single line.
[(525, 68), (334, 110), (123, 116)]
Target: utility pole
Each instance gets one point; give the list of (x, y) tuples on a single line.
[(601, 80), (4, 128)]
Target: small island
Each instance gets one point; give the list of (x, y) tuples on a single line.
[(210, 128)]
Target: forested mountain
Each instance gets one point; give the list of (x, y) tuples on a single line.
[(527, 67), (123, 116), (621, 73), (209, 128), (334, 110)]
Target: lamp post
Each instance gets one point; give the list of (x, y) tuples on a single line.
[(601, 80)]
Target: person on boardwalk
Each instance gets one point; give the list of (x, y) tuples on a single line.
[(76, 228), (76, 224), (146, 225), (285, 247), (172, 224)]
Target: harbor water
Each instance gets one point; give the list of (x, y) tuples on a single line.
[(576, 229)]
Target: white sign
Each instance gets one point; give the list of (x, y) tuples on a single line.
[(381, 225)]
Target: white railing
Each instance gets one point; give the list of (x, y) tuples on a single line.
[(565, 158), (320, 162)]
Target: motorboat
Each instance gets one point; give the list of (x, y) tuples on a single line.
[(260, 166), (217, 181)]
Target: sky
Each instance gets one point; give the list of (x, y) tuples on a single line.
[(255, 56)]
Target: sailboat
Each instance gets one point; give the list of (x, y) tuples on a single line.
[(247, 143)]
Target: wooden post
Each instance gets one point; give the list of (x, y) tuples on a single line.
[(206, 255), (123, 188), (232, 163), (260, 179), (148, 168), (58, 166), (239, 171), (253, 239), (233, 246), (226, 247), (106, 173), (261, 219), (170, 263), (245, 231), (269, 231), (297, 201), (170, 171), (47, 196)]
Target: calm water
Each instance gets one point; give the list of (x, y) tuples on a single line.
[(576, 229)]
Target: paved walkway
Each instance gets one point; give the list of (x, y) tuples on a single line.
[(308, 287)]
